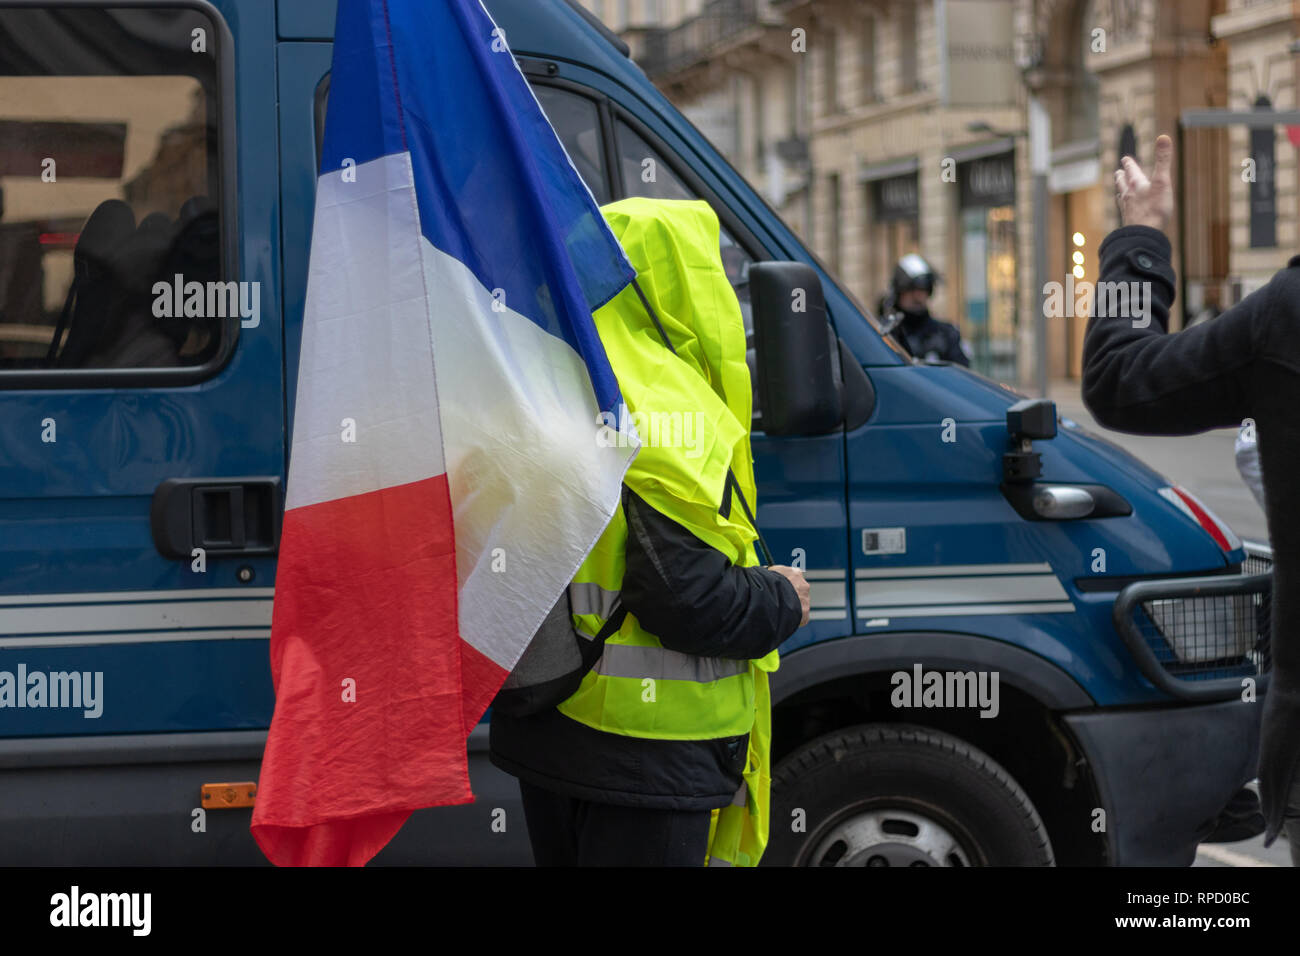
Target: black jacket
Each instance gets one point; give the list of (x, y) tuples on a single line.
[(924, 335), (1243, 364), (695, 601)]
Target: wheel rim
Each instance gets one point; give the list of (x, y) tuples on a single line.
[(889, 836)]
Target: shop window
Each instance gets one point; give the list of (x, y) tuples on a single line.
[(867, 65), (988, 264), (830, 74), (834, 221), (894, 240), (989, 290), (893, 230), (908, 73)]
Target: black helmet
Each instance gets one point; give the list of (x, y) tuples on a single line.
[(913, 272)]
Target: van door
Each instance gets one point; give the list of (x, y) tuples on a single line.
[(141, 441)]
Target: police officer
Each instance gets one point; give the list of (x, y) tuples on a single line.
[(924, 336)]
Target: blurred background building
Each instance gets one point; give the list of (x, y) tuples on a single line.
[(880, 127)]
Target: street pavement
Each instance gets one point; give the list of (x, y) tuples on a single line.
[(1205, 465)]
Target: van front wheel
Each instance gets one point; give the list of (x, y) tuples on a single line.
[(900, 795)]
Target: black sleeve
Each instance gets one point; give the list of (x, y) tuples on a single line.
[(693, 599), (955, 352), (1138, 379)]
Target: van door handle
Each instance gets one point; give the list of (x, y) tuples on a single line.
[(223, 516)]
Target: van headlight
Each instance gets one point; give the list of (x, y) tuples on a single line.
[(1196, 509)]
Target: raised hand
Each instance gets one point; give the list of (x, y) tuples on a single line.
[(1143, 201)]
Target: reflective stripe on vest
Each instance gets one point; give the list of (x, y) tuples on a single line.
[(629, 660), (586, 598), (639, 688), (650, 698)]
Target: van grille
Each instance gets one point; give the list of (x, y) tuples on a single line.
[(1205, 638), (1257, 563), (1200, 637)]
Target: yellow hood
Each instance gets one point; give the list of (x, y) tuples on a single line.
[(692, 409)]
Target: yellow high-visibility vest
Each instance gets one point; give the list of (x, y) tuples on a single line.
[(692, 411)]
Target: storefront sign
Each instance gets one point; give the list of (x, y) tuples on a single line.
[(1079, 174), (990, 181), (979, 53), (896, 198)]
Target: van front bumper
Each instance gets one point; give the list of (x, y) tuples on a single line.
[(1165, 774)]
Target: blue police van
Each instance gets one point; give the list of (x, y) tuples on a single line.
[(1104, 634)]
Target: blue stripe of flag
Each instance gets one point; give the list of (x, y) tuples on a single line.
[(494, 186)]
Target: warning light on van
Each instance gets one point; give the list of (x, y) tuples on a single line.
[(228, 796)]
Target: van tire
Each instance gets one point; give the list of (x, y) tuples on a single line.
[(900, 795)]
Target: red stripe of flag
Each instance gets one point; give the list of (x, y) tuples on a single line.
[(384, 564)]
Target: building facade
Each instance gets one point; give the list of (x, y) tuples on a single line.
[(1261, 63), (881, 127)]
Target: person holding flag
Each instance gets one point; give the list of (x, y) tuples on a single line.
[(445, 478), (661, 755)]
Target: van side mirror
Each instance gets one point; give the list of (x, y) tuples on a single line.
[(799, 382), (1032, 418), (1027, 420)]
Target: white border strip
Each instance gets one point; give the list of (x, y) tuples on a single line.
[(127, 597), (144, 637), (952, 570), (171, 615), (827, 595), (954, 610), (840, 615), (986, 589)]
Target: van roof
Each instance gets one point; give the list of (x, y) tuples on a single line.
[(560, 29), (617, 41)]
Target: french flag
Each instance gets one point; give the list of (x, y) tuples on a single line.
[(445, 476)]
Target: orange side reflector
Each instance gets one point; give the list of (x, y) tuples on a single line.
[(226, 796)]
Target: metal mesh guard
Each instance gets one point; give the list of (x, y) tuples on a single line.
[(1204, 638), (1199, 637), (1212, 637)]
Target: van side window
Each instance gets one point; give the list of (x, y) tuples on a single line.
[(109, 189), (643, 168), (577, 124), (573, 117)]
